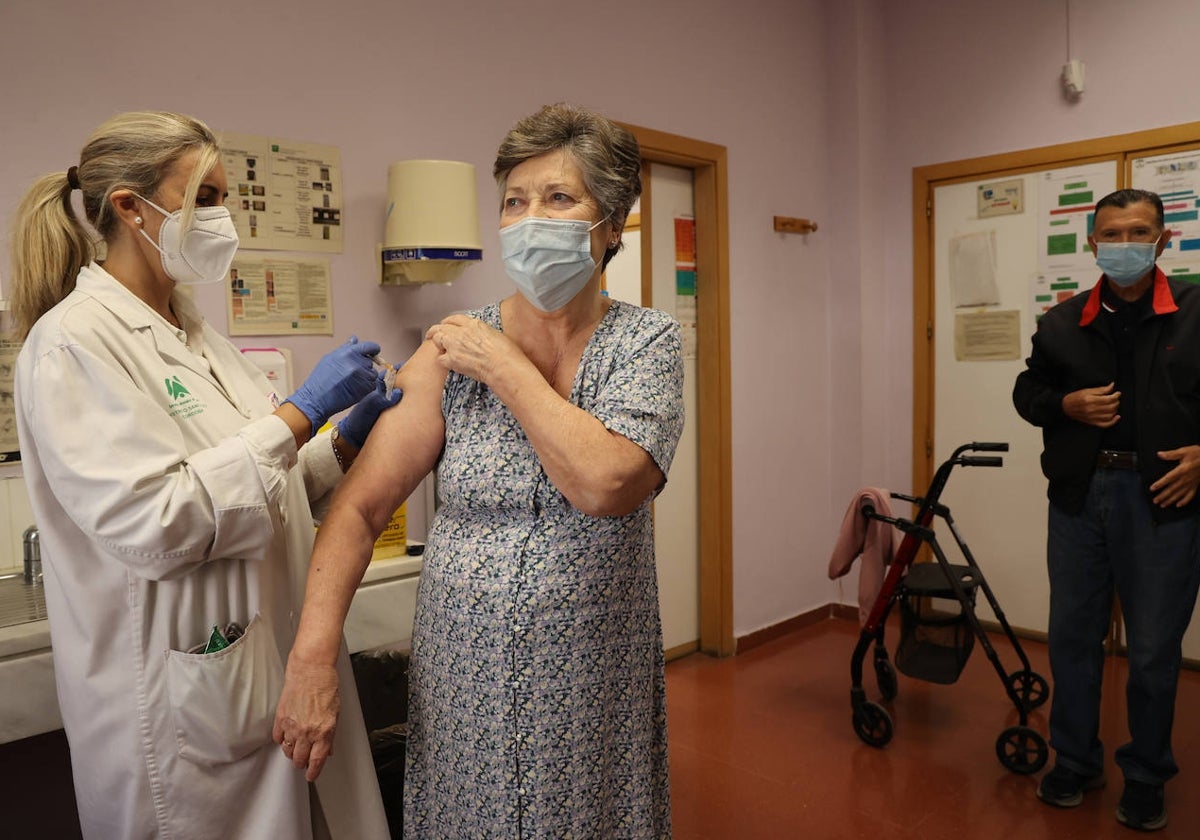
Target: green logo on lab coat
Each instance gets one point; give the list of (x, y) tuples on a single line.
[(183, 404), (175, 388)]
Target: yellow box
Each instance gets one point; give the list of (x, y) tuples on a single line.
[(393, 542)]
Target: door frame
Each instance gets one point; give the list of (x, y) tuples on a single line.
[(708, 163)]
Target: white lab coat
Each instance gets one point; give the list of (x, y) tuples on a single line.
[(167, 500)]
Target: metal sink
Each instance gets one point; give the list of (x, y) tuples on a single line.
[(20, 602)]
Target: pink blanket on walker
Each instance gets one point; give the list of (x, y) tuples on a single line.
[(870, 539)]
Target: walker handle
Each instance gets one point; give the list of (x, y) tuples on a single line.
[(990, 447), (981, 461)]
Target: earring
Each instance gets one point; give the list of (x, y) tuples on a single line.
[(137, 219)]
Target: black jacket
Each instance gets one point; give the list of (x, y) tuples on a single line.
[(1072, 349)]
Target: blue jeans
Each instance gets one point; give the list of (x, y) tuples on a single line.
[(1155, 570)]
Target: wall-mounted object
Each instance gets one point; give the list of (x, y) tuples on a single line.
[(787, 224), (432, 227), (1072, 78)]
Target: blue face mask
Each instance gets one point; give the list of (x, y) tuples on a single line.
[(1125, 263), (550, 260)]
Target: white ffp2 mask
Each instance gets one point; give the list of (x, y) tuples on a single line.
[(202, 253), (550, 260)]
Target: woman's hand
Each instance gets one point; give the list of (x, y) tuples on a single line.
[(306, 718), (471, 347)]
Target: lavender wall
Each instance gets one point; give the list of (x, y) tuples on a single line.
[(825, 107), (386, 81)]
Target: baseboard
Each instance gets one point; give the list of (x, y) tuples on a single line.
[(783, 628), (848, 612)]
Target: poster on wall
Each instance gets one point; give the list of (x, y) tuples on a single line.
[(1001, 198), (1066, 204), (1176, 179), (685, 283), (284, 195), (279, 297), (987, 336), (973, 269), (1048, 290), (10, 346)]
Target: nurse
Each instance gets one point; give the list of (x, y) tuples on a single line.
[(173, 492)]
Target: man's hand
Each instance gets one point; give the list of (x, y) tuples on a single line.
[(1094, 406), (1178, 487)]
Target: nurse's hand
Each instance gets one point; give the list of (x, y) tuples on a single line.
[(306, 718), (358, 423), (341, 378)]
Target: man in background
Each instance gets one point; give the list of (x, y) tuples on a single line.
[(1114, 383)]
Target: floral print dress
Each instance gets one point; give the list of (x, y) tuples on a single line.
[(537, 696)]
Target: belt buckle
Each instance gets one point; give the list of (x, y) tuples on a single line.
[(1115, 460)]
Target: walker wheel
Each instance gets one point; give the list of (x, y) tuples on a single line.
[(1022, 750), (873, 724), (885, 677), (1031, 687)]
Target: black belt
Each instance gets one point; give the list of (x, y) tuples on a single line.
[(1110, 459)]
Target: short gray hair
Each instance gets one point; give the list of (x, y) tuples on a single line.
[(608, 156)]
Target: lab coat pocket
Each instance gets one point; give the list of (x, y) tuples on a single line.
[(223, 703)]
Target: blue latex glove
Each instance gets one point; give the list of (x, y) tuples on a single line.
[(356, 425), (341, 378)]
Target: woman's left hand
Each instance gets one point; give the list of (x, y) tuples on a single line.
[(470, 347), (306, 717)]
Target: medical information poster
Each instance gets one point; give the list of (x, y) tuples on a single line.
[(685, 284), (1066, 204), (283, 195), (1176, 179), (279, 297), (10, 346)]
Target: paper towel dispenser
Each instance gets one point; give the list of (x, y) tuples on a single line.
[(432, 227)]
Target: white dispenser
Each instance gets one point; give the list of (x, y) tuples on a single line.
[(432, 229)]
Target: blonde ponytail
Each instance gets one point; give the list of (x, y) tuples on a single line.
[(133, 151), (49, 247)]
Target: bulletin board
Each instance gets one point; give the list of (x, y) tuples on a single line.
[(997, 240), (1019, 264)]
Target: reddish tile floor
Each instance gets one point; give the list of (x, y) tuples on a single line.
[(762, 748)]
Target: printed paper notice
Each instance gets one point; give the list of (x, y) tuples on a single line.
[(1066, 205), (1048, 290), (280, 297), (1002, 198), (283, 195), (10, 346), (973, 269), (1176, 179), (987, 336), (685, 283)]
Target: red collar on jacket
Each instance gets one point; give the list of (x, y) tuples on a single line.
[(1163, 301)]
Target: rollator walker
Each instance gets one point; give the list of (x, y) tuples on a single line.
[(935, 646)]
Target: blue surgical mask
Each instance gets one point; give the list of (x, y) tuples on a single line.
[(1125, 263), (550, 260)]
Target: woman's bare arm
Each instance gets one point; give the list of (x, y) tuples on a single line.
[(401, 449)]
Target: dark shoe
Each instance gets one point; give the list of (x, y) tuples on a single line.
[(1062, 787), (1143, 806)]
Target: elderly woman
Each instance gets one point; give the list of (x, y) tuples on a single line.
[(537, 693)]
